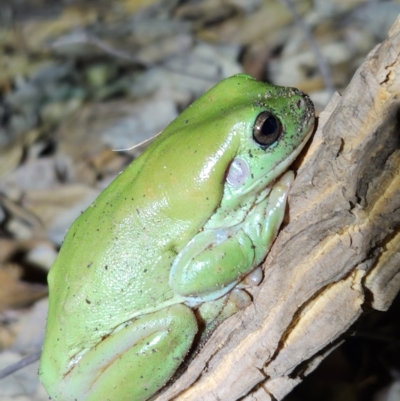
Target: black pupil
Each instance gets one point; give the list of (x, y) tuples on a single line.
[(267, 129), (270, 126)]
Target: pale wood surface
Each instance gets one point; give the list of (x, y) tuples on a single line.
[(338, 254)]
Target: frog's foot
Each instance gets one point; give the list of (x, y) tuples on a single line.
[(134, 362), (213, 313), (253, 279)]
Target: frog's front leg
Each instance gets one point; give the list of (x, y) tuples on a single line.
[(134, 362), (263, 222), (216, 259)]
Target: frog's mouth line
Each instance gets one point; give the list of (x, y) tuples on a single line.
[(285, 164)]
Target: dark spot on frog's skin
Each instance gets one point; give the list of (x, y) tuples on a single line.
[(106, 267), (299, 104), (186, 121), (145, 271), (89, 264), (250, 154), (252, 175), (87, 301)]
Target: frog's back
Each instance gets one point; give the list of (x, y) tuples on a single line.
[(116, 257)]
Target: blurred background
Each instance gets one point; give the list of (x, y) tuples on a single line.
[(80, 79)]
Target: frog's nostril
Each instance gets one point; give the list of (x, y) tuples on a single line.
[(300, 104)]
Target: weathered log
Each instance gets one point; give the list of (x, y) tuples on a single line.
[(338, 253)]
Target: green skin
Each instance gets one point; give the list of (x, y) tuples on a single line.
[(168, 235)]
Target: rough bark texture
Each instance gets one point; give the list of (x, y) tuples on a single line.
[(338, 254)]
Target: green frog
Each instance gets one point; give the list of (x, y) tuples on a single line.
[(163, 251)]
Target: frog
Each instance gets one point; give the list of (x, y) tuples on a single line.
[(167, 249)]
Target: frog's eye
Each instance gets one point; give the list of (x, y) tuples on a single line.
[(267, 129)]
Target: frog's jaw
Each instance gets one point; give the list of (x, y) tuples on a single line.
[(281, 167)]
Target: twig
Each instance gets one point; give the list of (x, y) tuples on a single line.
[(20, 364), (83, 37), (322, 63)]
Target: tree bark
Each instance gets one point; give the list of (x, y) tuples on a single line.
[(337, 255)]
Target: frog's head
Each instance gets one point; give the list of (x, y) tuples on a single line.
[(269, 127)]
